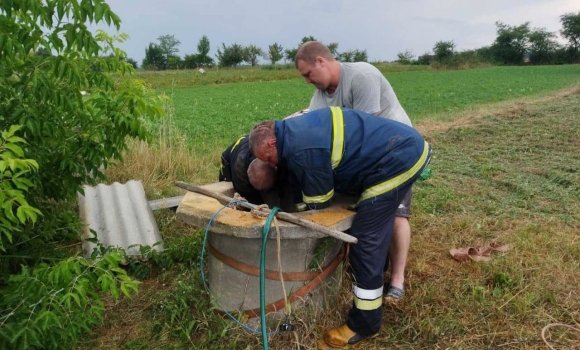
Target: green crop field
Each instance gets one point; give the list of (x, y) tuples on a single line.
[(220, 113)]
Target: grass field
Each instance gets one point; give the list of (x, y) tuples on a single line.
[(504, 170), (213, 76), (224, 112), (204, 120)]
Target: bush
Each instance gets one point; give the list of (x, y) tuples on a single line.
[(61, 101), (48, 307), (71, 135), (61, 84), (14, 185)]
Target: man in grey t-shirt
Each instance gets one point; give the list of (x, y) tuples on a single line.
[(360, 86), (363, 87)]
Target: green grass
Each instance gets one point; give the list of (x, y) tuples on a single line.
[(510, 176), (430, 92), (217, 114)]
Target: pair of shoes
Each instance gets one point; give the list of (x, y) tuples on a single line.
[(394, 294), (482, 253), (342, 336)]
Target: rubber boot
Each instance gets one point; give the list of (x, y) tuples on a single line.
[(342, 336)]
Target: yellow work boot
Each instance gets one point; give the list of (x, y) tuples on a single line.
[(341, 336)]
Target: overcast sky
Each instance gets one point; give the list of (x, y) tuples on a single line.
[(382, 27)]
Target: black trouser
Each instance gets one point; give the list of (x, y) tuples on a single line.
[(373, 227)]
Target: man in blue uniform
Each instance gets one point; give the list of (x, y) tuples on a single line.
[(347, 151), (250, 177)]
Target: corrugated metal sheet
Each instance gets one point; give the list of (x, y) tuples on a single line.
[(120, 215), (165, 203)]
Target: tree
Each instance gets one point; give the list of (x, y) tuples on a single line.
[(169, 45), (231, 55), (48, 124), (251, 54), (405, 57), (275, 53), (132, 62), (511, 43), (352, 56), (307, 38), (196, 60), (174, 62), (163, 55), (444, 51), (571, 31), (203, 46), (200, 58), (68, 134), (154, 58), (333, 48), (425, 59), (360, 55), (542, 46), (290, 54), (347, 56), (203, 50)]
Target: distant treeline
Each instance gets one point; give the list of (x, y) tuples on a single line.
[(163, 54), (513, 45)]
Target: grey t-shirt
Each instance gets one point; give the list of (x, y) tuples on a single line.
[(363, 87)]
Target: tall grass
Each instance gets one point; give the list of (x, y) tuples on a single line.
[(220, 75), (168, 158)]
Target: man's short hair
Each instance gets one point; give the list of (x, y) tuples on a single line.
[(262, 175), (261, 133), (310, 50)]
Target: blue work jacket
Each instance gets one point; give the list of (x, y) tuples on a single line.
[(348, 151)]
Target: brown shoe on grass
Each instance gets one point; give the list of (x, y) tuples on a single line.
[(342, 336)]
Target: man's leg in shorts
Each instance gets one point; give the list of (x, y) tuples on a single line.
[(401, 241)]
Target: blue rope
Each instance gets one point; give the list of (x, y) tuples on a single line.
[(203, 276)]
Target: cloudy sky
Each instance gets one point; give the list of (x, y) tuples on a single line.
[(382, 27)]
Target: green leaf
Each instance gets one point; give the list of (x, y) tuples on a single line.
[(105, 281), (70, 36), (15, 149), (60, 9), (16, 139), (115, 292), (99, 10), (125, 290), (13, 129), (61, 71)]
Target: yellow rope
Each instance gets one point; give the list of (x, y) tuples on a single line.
[(287, 308), (556, 325)]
